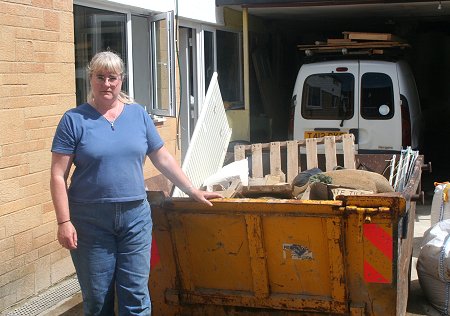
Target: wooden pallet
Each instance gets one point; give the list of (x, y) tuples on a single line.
[(293, 165)]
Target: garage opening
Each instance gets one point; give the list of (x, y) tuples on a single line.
[(275, 58)]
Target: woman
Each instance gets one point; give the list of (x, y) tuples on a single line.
[(103, 216)]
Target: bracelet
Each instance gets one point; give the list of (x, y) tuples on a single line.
[(60, 223)]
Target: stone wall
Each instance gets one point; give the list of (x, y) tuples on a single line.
[(37, 85)]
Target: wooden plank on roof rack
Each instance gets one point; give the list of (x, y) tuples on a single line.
[(347, 49), (353, 44), (334, 41), (370, 36)]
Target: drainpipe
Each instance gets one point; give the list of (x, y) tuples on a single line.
[(245, 49)]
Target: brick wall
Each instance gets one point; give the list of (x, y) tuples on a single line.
[(37, 85)]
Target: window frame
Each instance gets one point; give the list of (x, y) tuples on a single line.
[(127, 34), (156, 110), (240, 58), (128, 59)]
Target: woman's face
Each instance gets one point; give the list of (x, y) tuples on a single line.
[(106, 86)]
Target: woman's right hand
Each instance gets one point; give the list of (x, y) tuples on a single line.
[(67, 235)]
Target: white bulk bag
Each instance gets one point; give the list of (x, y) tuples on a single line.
[(440, 206), (433, 266)]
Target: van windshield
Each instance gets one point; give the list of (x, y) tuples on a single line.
[(328, 96)]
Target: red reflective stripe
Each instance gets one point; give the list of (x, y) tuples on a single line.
[(379, 238), (372, 275), (155, 258)]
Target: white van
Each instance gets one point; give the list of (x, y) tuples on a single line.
[(375, 100)]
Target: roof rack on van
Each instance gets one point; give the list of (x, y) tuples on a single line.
[(356, 43)]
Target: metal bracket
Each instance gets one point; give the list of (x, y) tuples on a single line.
[(364, 216)]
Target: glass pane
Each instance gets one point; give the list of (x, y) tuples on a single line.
[(161, 65), (141, 60), (229, 66), (377, 96), (328, 96), (96, 30), (209, 57)]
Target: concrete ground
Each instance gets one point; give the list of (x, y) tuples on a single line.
[(417, 302)]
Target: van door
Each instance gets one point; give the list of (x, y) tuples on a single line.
[(325, 95), (380, 115)]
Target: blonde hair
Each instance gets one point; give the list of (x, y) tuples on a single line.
[(111, 62)]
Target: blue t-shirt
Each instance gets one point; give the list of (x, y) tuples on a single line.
[(108, 160)]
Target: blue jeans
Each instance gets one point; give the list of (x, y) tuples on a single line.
[(113, 254)]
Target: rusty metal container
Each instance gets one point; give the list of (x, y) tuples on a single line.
[(349, 256)]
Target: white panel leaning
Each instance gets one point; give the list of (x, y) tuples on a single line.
[(209, 142)]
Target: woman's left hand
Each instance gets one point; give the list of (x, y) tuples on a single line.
[(203, 196)]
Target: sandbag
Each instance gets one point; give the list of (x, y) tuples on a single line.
[(301, 181), (303, 177), (440, 206), (433, 266), (360, 180)]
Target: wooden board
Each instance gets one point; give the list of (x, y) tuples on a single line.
[(257, 163), (356, 43), (330, 153), (348, 143), (369, 36), (275, 159), (282, 190), (311, 153), (383, 44), (233, 190), (332, 41), (293, 164)]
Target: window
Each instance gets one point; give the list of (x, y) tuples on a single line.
[(163, 64), (141, 60), (328, 96), (96, 30), (208, 51), (377, 96), (229, 66)]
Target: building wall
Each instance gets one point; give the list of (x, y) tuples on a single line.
[(36, 86), (198, 10)]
